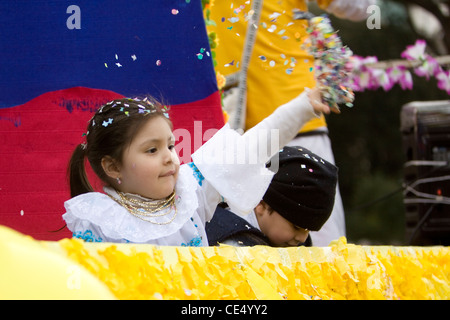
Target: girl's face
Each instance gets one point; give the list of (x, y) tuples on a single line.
[(150, 164), (280, 231)]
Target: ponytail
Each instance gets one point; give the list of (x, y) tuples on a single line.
[(78, 180)]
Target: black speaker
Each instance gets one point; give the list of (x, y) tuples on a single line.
[(425, 128)]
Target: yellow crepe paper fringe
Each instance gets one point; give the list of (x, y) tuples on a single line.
[(340, 271)]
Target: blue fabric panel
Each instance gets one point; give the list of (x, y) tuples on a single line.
[(129, 47)]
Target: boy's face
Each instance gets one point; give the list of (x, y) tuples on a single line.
[(281, 232)]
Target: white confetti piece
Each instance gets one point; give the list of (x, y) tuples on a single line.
[(274, 15)]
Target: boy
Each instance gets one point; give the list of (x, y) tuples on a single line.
[(299, 199)]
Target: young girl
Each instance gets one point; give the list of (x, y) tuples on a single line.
[(149, 197)]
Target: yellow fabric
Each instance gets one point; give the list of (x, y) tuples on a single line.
[(279, 68), (29, 270), (33, 269), (341, 271)]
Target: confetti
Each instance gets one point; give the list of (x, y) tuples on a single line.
[(274, 15), (229, 64), (107, 123), (134, 57), (158, 62), (330, 63), (272, 28), (175, 12), (200, 54)]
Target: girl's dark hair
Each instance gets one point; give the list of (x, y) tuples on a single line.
[(109, 132)]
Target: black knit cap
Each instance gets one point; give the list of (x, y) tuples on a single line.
[(303, 188)]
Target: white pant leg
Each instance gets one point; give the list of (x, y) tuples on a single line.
[(334, 228)]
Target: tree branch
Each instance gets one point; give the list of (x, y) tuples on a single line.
[(442, 60)]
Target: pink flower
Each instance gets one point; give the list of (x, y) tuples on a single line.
[(416, 51), (362, 77), (444, 80), (394, 74), (356, 63), (406, 81), (379, 79), (429, 67)]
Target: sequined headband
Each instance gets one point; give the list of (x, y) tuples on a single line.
[(143, 108)]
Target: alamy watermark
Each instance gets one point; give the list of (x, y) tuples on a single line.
[(73, 277), (230, 148), (74, 20), (373, 21)]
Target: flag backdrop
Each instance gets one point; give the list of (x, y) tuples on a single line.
[(60, 60)]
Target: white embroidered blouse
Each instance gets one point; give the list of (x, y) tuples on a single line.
[(229, 167)]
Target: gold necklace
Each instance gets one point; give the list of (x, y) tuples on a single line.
[(147, 210)]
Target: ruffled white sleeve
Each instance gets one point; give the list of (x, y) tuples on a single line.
[(82, 228), (353, 10), (235, 165)]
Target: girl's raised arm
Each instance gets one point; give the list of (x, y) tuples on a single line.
[(235, 165)]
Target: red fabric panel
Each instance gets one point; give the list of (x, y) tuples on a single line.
[(37, 139)]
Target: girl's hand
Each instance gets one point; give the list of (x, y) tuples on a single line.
[(315, 98)]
